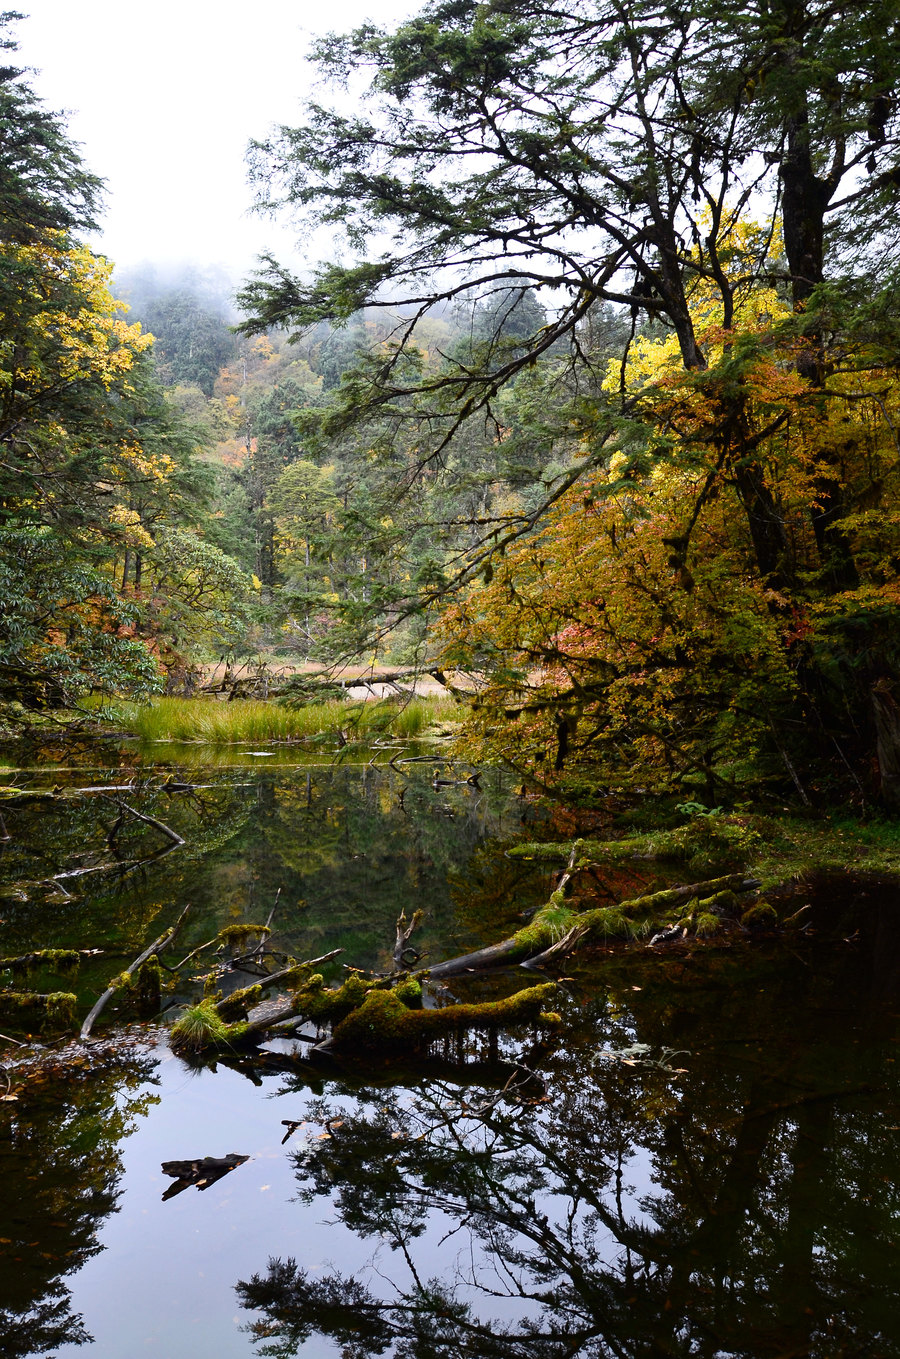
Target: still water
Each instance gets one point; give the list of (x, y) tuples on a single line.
[(704, 1161)]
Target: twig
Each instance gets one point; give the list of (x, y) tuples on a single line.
[(157, 946), (149, 821)]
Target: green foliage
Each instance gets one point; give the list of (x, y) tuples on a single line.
[(44, 186), (64, 628), (745, 501)]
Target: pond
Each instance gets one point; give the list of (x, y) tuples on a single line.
[(703, 1160)]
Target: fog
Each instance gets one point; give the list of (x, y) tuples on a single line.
[(164, 99)]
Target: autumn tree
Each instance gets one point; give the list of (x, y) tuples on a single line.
[(612, 156), (94, 463)]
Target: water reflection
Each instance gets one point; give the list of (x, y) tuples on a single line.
[(60, 1163), (704, 1163), (743, 1205), (342, 848)]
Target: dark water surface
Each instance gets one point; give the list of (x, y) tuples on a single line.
[(704, 1161)]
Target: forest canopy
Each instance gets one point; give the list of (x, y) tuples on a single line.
[(699, 207)]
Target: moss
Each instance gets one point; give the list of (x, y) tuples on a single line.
[(64, 961), (57, 1008), (707, 843), (549, 924), (762, 916), (657, 903), (237, 1005), (721, 903), (148, 987), (383, 1024), (315, 1002), (123, 981), (706, 924), (410, 992), (239, 936)]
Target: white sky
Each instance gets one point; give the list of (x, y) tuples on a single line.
[(164, 95)]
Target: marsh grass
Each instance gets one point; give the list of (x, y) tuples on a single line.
[(251, 721), (200, 1027)]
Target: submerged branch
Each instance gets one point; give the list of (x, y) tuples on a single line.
[(157, 946)]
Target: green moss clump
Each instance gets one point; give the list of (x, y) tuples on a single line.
[(122, 982), (239, 936), (383, 1024), (409, 990), (706, 924), (762, 916), (315, 1002), (237, 1005)]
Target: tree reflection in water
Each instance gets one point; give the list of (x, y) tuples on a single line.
[(745, 1206), (62, 1162)]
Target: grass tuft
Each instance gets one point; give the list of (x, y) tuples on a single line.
[(200, 1028)]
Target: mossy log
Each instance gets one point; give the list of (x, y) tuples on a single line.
[(557, 927), (708, 839), (384, 1024), (592, 851), (364, 1018), (55, 1007), (62, 960)]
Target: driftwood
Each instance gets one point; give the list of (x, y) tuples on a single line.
[(405, 931), (374, 1015), (157, 946), (202, 1173)]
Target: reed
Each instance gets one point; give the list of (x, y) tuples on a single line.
[(250, 720)]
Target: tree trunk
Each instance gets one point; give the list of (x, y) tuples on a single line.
[(887, 729)]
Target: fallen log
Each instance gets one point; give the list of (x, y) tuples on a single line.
[(384, 1024), (240, 1002), (385, 1014), (556, 929)]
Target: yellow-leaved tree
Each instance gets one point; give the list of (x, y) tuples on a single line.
[(698, 610)]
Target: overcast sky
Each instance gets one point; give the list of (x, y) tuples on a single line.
[(165, 96)]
